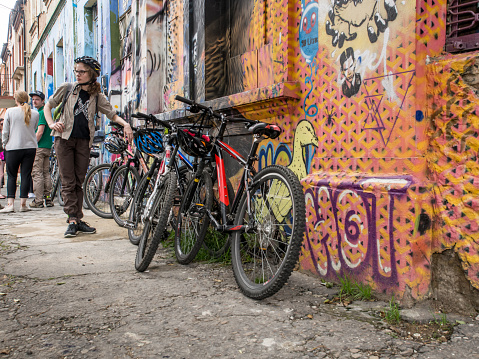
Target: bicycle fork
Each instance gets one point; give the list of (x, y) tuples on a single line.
[(152, 202)]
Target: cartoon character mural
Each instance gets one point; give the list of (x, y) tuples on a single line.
[(350, 21), (346, 17)]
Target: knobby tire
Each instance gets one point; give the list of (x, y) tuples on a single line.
[(122, 198), (192, 220), (153, 233), (264, 258), (94, 190), (143, 192)]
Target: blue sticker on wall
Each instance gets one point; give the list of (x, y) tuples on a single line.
[(419, 116), (308, 32)]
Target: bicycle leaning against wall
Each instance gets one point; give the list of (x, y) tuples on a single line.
[(266, 218), (152, 207)]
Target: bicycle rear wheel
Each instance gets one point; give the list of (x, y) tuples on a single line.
[(55, 177), (184, 177), (192, 222), (264, 256), (96, 190), (217, 243), (155, 230), (143, 192), (122, 191)]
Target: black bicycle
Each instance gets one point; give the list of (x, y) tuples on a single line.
[(266, 218)]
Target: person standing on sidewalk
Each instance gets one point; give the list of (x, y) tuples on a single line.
[(2, 162), (74, 133), (42, 183), (20, 144)]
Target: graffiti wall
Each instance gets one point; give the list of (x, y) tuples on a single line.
[(380, 128), (453, 158), (347, 81), (355, 142)]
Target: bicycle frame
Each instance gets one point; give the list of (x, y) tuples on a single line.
[(246, 178), (164, 166)]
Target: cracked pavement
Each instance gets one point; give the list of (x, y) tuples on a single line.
[(82, 298)]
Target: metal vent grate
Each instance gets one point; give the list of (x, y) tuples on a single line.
[(462, 25)]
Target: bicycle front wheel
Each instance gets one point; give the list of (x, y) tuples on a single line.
[(154, 230), (122, 191), (143, 192), (265, 253), (96, 191), (193, 221), (61, 202)]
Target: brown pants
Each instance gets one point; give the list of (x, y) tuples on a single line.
[(73, 158), (42, 182)]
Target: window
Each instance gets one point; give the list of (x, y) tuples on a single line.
[(462, 25), (91, 29), (59, 64), (231, 52)]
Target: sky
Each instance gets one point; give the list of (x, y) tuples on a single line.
[(4, 12)]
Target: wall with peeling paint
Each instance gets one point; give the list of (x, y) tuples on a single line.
[(452, 158)]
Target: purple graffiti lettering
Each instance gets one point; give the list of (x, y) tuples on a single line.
[(343, 236)]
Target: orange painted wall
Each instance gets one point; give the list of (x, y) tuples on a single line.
[(382, 140)]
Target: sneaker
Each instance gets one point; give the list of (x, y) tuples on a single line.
[(71, 230), (35, 204), (83, 227), (48, 202), (7, 209), (24, 209)]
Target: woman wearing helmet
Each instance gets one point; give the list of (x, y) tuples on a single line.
[(74, 132)]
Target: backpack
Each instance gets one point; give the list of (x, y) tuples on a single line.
[(59, 109)]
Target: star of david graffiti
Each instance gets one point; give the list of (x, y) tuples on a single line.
[(383, 117)]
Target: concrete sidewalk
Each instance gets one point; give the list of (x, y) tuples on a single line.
[(82, 298)]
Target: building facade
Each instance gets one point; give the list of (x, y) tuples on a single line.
[(12, 75), (376, 98)]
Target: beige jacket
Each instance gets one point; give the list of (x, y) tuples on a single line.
[(67, 117)]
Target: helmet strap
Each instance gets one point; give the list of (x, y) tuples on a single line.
[(87, 83)]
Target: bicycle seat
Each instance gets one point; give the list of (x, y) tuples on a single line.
[(94, 154), (265, 129)]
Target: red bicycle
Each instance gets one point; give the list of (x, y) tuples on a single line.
[(265, 219)]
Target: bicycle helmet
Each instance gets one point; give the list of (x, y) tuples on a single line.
[(149, 141), (90, 61), (115, 145), (194, 143)]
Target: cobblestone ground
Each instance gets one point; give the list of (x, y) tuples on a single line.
[(82, 298)]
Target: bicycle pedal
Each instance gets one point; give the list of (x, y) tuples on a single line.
[(129, 225)]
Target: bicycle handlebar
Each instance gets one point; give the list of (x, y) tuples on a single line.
[(152, 119), (195, 106)]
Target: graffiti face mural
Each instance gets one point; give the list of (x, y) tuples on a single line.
[(351, 79)]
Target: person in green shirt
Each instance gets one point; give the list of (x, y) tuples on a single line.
[(42, 183)]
